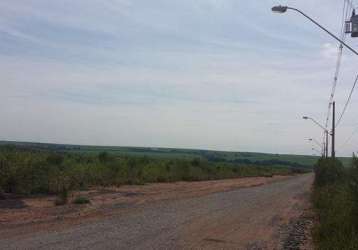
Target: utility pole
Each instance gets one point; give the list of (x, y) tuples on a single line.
[(333, 130), (326, 144)]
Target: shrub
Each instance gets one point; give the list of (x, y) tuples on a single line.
[(29, 171), (103, 157), (55, 159), (336, 202), (328, 171), (81, 200)]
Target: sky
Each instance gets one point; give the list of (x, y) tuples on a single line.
[(206, 74)]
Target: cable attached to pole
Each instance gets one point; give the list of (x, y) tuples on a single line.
[(347, 102)]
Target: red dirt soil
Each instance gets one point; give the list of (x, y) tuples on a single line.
[(39, 211)]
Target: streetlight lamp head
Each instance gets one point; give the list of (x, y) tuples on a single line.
[(305, 117), (279, 9)]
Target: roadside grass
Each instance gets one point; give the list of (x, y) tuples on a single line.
[(335, 198)]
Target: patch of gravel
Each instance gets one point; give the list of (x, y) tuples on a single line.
[(297, 234), (237, 219)]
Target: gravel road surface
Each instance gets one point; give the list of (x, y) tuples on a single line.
[(246, 218)]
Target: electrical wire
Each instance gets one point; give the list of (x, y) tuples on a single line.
[(347, 5), (347, 102), (347, 8), (349, 138), (350, 3)]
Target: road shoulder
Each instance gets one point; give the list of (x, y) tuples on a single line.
[(40, 213)]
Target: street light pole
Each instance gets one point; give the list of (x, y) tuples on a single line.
[(283, 9), (324, 129), (315, 150), (326, 145), (316, 122), (333, 129), (323, 148)]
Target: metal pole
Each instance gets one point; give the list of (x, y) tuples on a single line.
[(316, 151), (315, 141), (323, 28), (326, 149), (333, 130), (325, 131), (322, 147)]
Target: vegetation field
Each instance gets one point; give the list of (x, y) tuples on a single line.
[(239, 158), (32, 168)]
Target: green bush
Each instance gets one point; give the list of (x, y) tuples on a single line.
[(81, 200), (25, 171), (328, 171), (336, 203)]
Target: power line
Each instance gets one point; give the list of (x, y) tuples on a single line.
[(347, 8), (344, 16), (349, 138), (335, 81), (350, 3), (347, 5), (348, 101)]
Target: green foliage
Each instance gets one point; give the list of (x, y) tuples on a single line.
[(55, 159), (237, 158), (103, 157), (328, 171), (81, 200), (30, 171), (335, 199)]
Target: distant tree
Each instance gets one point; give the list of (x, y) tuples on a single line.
[(55, 159), (103, 157), (195, 162)]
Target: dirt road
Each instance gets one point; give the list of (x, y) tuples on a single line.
[(237, 218)]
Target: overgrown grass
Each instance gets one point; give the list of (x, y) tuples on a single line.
[(26, 171), (335, 199)]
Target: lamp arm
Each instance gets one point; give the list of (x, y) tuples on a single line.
[(323, 28)]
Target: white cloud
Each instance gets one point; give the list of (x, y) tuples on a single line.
[(329, 51)]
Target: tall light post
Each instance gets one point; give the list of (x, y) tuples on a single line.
[(315, 141), (333, 130), (325, 132), (323, 148), (283, 9), (315, 150)]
